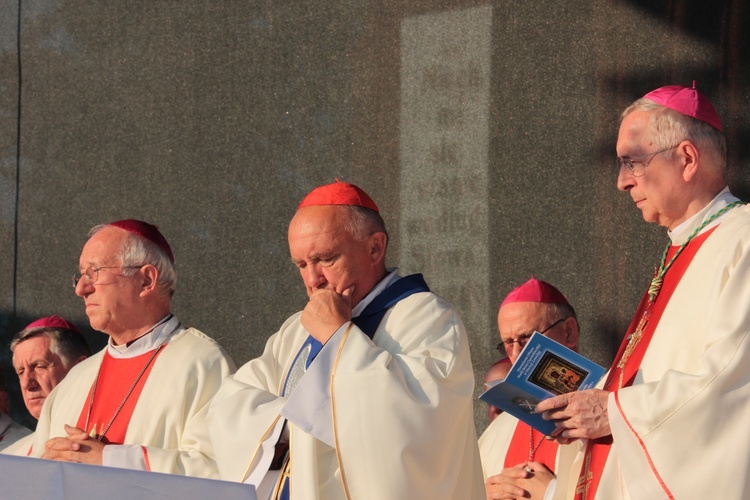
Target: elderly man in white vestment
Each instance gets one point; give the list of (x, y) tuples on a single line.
[(669, 421), (43, 354), (140, 402), (365, 393), (534, 306)]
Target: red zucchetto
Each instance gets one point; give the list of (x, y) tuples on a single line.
[(338, 193), (687, 101), (52, 322), (535, 290), (145, 230)]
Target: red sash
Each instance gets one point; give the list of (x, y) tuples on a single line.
[(597, 450), (518, 451), (116, 376)]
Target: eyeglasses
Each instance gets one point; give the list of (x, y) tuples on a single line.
[(506, 346), (637, 164), (92, 273)]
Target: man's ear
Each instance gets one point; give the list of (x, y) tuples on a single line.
[(571, 333), (150, 279), (377, 243), (690, 158)]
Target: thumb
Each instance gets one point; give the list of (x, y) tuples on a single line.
[(347, 294)]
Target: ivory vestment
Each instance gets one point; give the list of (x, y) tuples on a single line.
[(678, 429), (169, 418), (494, 443), (401, 406)]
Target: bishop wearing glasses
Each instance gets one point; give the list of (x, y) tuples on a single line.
[(507, 442), (140, 402)]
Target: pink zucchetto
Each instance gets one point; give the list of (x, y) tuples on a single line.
[(338, 193), (687, 101), (535, 290), (52, 322), (145, 230)]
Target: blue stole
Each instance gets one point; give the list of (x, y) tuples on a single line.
[(368, 322), (373, 314)]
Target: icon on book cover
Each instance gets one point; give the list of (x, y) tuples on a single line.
[(557, 375)]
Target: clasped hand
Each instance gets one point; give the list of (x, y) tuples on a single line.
[(525, 480), (326, 311), (77, 447)]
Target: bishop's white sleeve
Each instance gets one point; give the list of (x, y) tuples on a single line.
[(309, 406)]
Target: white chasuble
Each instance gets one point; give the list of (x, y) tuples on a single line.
[(678, 429), (167, 431), (401, 417)]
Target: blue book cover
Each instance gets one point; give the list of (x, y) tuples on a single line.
[(544, 368)]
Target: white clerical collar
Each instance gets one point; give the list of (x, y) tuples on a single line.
[(146, 342), (681, 233), (392, 277)]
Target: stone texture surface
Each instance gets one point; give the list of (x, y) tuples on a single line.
[(212, 120)]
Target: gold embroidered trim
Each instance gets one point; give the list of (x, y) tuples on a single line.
[(285, 472), (260, 443), (279, 390), (333, 411)]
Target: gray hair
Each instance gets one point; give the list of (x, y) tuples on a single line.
[(554, 312), (362, 222), (137, 251), (669, 127), (68, 344)]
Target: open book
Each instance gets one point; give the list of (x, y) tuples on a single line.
[(544, 368)]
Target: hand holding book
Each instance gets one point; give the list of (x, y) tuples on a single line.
[(544, 369)]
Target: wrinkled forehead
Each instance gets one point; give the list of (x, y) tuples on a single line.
[(520, 318), (635, 133), (103, 247), (318, 222), (31, 348)]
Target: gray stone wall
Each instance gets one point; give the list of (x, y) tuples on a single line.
[(484, 130)]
